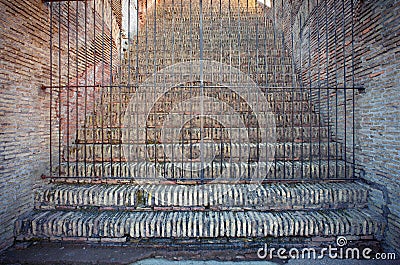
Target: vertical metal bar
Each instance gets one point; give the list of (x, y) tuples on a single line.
[(94, 153), (344, 86), (137, 114), (353, 84), (59, 91), (239, 47), (111, 95), (230, 78), (77, 89), (126, 60), (210, 51), (146, 73), (221, 26), (85, 89), (327, 83), (302, 98), (68, 77), (190, 84), (162, 63), (257, 76), (183, 58), (293, 92), (121, 89), (172, 32), (201, 92), (274, 80), (283, 74), (336, 91), (319, 89), (266, 66), (103, 93), (251, 74), (155, 49), (51, 91), (310, 91)]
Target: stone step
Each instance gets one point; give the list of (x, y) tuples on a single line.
[(209, 105), (160, 120), (185, 14), (214, 44), (98, 226), (272, 79), (271, 63), (215, 17), (215, 38), (243, 25), (235, 7), (221, 52), (258, 72), (255, 71), (235, 197), (246, 64), (146, 92), (212, 48), (212, 51), (289, 134), (136, 80), (136, 77), (147, 59), (254, 23), (188, 152), (228, 18), (213, 13), (216, 171)]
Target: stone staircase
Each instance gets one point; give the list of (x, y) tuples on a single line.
[(121, 213), (223, 175)]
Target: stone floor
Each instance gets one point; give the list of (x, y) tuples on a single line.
[(46, 253), (294, 262)]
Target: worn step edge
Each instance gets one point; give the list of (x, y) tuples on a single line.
[(202, 197), (123, 225), (165, 151), (216, 171)]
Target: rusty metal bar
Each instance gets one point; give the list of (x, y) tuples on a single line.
[(271, 89)]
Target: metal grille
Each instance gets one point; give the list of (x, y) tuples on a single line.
[(199, 91)]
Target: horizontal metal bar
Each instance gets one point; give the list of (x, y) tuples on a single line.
[(361, 89), (83, 86), (182, 180)]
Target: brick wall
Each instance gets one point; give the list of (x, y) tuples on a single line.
[(324, 57), (24, 106), (24, 118), (379, 71)]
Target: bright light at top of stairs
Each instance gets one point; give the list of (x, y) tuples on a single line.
[(265, 2)]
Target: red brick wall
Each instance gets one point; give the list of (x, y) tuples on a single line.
[(379, 70), (376, 67), (24, 106)]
